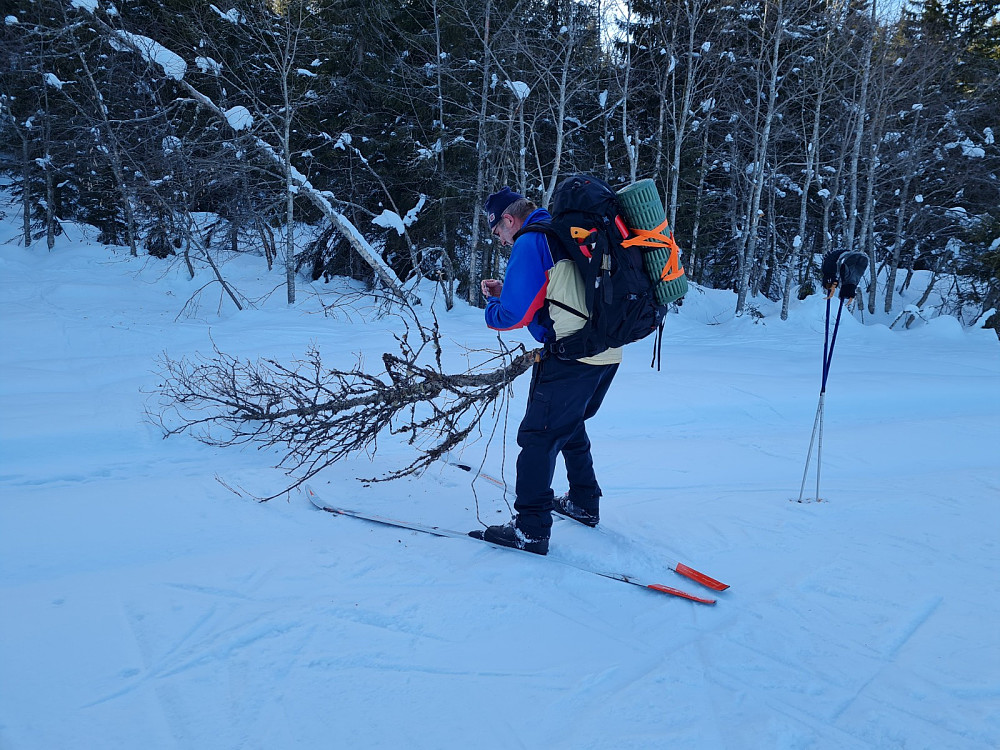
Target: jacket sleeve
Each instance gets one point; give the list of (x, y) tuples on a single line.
[(524, 284)]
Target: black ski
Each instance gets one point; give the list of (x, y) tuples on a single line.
[(675, 565), (322, 504)]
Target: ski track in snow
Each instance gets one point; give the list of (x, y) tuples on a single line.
[(146, 605)]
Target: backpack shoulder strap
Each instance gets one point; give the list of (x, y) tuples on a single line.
[(538, 227), (546, 228)]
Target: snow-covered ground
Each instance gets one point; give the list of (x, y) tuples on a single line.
[(144, 604)]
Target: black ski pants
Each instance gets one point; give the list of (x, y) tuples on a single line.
[(562, 396)]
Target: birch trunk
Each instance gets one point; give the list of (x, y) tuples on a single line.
[(25, 191), (50, 187), (561, 104), (114, 155), (474, 295), (631, 146), (696, 262), (692, 8), (899, 240), (810, 170), (762, 146), (861, 115)]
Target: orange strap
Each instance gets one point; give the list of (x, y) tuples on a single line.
[(656, 238)]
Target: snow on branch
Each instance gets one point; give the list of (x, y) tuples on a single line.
[(391, 220), (172, 64), (236, 118)]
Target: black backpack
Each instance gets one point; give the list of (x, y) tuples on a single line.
[(621, 308)]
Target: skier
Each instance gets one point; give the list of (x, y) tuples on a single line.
[(543, 290)]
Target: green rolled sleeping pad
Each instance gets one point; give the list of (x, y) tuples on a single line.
[(644, 210)]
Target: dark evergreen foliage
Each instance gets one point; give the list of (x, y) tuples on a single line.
[(777, 130)]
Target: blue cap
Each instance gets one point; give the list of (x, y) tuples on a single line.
[(497, 203)]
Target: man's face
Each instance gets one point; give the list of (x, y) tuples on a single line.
[(506, 228)]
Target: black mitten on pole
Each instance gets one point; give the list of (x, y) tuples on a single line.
[(852, 267), (829, 271), (844, 268)]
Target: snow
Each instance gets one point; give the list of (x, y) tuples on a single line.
[(969, 148), (52, 80), (172, 64), (148, 602), (208, 65), (171, 144), (239, 118), (519, 89), (390, 220), (411, 215), (233, 16), (432, 152)]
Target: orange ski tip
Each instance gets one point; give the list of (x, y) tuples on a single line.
[(700, 577), (677, 592)]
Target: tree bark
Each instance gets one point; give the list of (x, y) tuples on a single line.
[(762, 146)]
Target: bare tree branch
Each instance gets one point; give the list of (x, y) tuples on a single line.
[(318, 416)]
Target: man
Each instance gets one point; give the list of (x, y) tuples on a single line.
[(543, 290)]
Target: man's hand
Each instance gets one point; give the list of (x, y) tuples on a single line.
[(491, 287)]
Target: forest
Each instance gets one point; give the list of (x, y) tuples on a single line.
[(256, 228), (340, 137)]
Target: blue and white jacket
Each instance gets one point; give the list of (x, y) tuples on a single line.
[(535, 274)]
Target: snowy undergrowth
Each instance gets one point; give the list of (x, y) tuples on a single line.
[(147, 605)]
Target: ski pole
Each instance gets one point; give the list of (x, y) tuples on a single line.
[(844, 269), (821, 407), (465, 467), (828, 345)]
